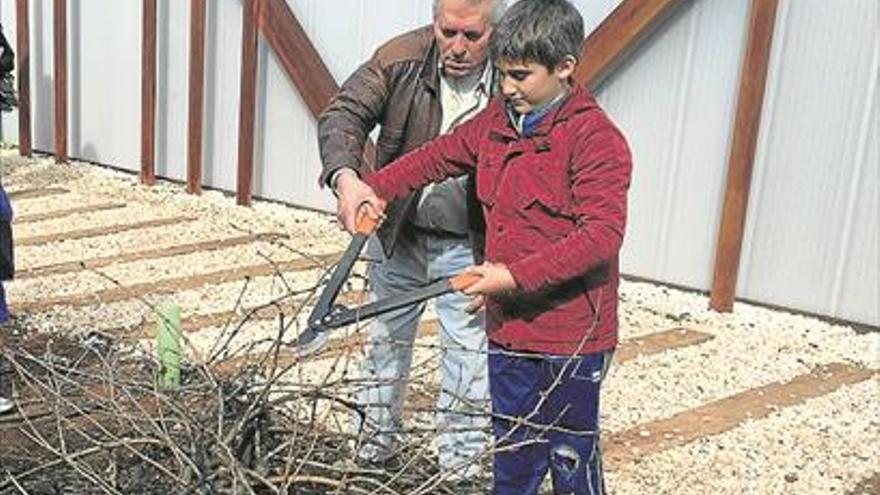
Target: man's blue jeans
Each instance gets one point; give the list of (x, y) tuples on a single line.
[(462, 405), (545, 416)]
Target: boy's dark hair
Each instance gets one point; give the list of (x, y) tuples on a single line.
[(540, 31)]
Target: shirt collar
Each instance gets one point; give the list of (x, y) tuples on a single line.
[(458, 84)]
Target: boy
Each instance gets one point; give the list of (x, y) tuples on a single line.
[(552, 178)]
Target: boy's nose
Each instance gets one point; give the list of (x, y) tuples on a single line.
[(508, 89)]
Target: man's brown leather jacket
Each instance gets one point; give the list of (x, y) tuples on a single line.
[(397, 89)]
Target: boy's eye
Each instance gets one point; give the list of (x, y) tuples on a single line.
[(518, 75)]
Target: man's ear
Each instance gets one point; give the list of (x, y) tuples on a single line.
[(565, 67)]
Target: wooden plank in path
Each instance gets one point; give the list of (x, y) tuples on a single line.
[(728, 413), (51, 215), (629, 349), (171, 285), (868, 486), (99, 231), (37, 193), (157, 253), (195, 323)]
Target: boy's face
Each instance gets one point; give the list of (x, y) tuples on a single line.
[(529, 85)]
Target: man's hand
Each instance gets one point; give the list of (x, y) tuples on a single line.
[(495, 278), (354, 194)]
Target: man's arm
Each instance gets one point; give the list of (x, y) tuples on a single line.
[(343, 127)]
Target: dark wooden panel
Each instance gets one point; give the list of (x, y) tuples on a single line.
[(753, 77), (248, 101), (60, 38), (23, 50), (148, 94), (196, 96)]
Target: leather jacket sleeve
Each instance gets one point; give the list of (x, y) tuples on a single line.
[(344, 126)]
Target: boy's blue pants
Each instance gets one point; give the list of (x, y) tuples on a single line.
[(546, 417)]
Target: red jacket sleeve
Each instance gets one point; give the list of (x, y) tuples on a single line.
[(446, 156)]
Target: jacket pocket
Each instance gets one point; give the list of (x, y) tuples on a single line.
[(542, 189)]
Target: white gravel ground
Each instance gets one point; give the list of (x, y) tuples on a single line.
[(826, 445)]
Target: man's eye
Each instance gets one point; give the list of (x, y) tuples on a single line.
[(449, 33), (473, 35)]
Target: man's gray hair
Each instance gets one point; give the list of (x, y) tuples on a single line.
[(498, 7)]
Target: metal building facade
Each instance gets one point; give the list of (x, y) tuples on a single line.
[(812, 228)]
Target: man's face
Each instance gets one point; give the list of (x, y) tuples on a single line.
[(529, 85), (462, 31)]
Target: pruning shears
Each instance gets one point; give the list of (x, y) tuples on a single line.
[(327, 315)]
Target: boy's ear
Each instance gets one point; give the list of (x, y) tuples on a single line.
[(565, 67)]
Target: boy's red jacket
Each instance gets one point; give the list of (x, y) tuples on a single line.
[(555, 207)]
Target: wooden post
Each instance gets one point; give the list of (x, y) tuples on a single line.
[(23, 47), (619, 33), (248, 101), (196, 96), (753, 78), (60, 38), (148, 94)]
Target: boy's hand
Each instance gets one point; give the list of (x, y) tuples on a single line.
[(354, 194), (495, 278)]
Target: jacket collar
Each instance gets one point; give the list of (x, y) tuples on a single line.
[(578, 100), (429, 73)]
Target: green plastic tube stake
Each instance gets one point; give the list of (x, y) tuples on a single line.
[(168, 346)]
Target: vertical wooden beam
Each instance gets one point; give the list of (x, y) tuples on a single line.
[(196, 96), (248, 101), (148, 94), (753, 79), (60, 38), (23, 47), (619, 33)]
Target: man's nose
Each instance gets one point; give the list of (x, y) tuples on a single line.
[(459, 46)]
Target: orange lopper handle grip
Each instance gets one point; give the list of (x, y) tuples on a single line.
[(464, 280), (364, 224)]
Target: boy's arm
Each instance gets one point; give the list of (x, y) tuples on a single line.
[(446, 156), (600, 177)]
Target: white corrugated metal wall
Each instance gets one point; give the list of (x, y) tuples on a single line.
[(812, 231)]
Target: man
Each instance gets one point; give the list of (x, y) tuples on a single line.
[(417, 86)]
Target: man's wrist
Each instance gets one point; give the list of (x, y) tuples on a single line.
[(338, 174)]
